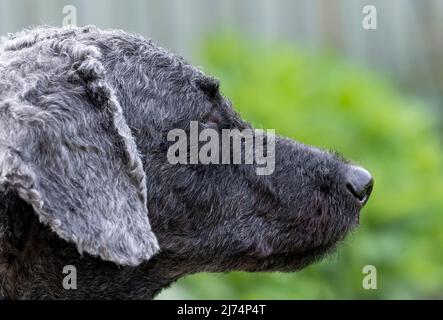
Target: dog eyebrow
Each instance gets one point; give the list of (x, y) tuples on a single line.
[(209, 85)]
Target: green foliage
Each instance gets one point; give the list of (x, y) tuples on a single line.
[(323, 101)]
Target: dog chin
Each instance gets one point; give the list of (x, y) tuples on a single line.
[(288, 262)]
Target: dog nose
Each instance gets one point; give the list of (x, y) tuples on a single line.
[(360, 182)]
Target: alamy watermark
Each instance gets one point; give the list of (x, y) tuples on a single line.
[(369, 21), (248, 146), (370, 279), (70, 280), (70, 16)]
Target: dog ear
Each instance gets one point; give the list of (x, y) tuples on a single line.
[(65, 149)]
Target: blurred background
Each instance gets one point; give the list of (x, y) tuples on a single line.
[(310, 70)]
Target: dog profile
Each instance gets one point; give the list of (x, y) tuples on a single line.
[(85, 180)]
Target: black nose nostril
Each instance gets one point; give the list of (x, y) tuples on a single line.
[(360, 183), (360, 195)]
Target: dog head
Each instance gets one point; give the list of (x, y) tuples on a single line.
[(85, 138)]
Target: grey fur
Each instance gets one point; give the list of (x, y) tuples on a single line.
[(84, 115)]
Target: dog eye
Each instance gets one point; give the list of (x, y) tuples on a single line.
[(212, 121)]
